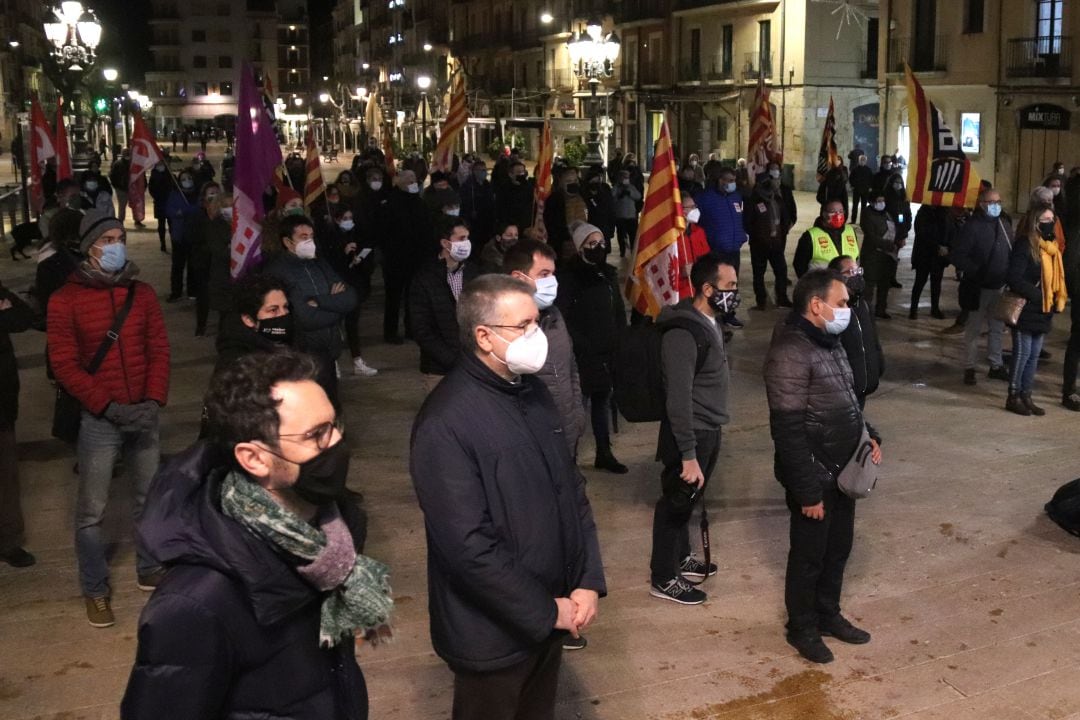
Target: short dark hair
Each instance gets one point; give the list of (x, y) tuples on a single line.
[(290, 222), (239, 404), (814, 284), (501, 225), (478, 297), (250, 293), (704, 270), (837, 261), (520, 255), (447, 225)]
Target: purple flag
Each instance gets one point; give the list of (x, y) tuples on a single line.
[(257, 156)]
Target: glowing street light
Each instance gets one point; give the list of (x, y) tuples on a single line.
[(110, 74), (546, 18)]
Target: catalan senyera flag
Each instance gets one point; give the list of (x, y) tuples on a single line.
[(828, 157), (938, 173), (313, 182), (42, 147), (654, 280), (764, 146), (63, 156), (456, 117), (544, 157)]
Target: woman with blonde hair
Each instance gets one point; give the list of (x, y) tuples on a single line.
[(1036, 273)]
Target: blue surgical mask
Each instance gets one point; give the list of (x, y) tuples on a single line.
[(729, 188), (993, 209), (113, 257), (547, 288), (840, 321), (879, 206)]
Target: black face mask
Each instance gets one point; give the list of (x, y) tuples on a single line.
[(1046, 229), (856, 285), (724, 302), (322, 478), (573, 189), (277, 330), (596, 255)]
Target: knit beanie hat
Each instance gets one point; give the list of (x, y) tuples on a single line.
[(284, 195), (95, 223), (581, 232)]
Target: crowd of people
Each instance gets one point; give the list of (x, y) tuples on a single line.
[(251, 540)]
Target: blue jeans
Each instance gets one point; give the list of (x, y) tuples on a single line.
[(99, 446), (1025, 360)]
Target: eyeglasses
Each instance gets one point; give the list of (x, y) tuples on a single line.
[(526, 328), (853, 272), (589, 244), (322, 434)]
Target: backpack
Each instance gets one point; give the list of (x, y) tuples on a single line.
[(1064, 507), (637, 374)]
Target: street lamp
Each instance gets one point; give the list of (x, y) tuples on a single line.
[(427, 47), (592, 58), (423, 82), (546, 18), (75, 34), (110, 74)]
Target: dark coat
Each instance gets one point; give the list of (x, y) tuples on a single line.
[(590, 300), (601, 207), (558, 232), (434, 316), (235, 340), (1025, 279), (767, 220), (981, 252), (232, 631), (814, 414), (18, 318), (317, 329), (931, 234), (509, 527), (861, 179), (863, 348), (160, 185), (211, 241), (514, 203), (409, 239), (834, 187), (478, 207)]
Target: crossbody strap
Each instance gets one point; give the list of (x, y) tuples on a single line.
[(114, 331)]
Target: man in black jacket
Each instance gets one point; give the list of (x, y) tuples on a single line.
[(816, 425), (696, 407), (860, 339), (266, 587), (981, 253), (405, 243), (513, 557), (514, 197), (433, 300), (15, 316), (861, 178)]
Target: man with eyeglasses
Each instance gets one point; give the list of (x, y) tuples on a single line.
[(828, 238), (860, 338), (267, 590), (513, 557)]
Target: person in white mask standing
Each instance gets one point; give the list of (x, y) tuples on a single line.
[(433, 296), (513, 557)]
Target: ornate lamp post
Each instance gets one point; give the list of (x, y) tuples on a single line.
[(423, 82), (592, 58), (74, 32)]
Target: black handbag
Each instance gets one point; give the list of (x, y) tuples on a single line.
[(67, 412)]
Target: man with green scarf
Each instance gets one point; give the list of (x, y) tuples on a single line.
[(266, 587)]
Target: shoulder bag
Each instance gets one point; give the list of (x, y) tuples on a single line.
[(860, 475)]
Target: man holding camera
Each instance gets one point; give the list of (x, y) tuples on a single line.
[(695, 373)]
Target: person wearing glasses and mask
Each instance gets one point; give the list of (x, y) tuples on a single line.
[(513, 557), (828, 238), (860, 339), (267, 589)]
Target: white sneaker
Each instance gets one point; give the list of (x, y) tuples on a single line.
[(362, 369)]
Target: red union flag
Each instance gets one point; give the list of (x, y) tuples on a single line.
[(764, 146), (42, 147), (63, 157), (456, 117), (145, 154), (939, 173), (653, 282)]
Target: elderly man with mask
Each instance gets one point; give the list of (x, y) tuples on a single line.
[(513, 557)]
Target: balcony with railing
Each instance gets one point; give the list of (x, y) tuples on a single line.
[(561, 79), (1039, 57), (757, 64), (921, 56), (699, 72), (651, 73)]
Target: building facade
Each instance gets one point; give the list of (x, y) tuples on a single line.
[(22, 47)]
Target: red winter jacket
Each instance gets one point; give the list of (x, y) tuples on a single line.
[(136, 367)]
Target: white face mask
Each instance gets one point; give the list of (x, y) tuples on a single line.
[(839, 323), (774, 174), (547, 288), (413, 188), (453, 212), (305, 249), (226, 212), (1056, 190), (347, 225), (693, 215), (460, 250), (879, 206), (527, 354), (375, 185)]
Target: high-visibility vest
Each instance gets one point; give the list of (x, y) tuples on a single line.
[(825, 249)]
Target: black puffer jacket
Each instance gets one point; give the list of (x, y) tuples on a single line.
[(232, 632), (434, 316), (590, 300), (509, 527), (814, 413)]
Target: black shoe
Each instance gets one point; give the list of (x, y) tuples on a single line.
[(840, 628), (882, 315), (606, 461), (393, 340), (17, 557), (1035, 409), (784, 302), (811, 647), (679, 591), (691, 567), (998, 373), (172, 298), (896, 285), (1016, 404), (913, 314), (1071, 402), (760, 305), (732, 321), (969, 377), (572, 643), (13, 255), (937, 314), (1043, 355)]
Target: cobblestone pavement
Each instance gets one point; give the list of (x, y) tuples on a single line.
[(972, 595)]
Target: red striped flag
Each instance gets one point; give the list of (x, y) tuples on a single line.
[(145, 154), (313, 181), (544, 157), (42, 147), (939, 173), (828, 157), (456, 117), (764, 145), (63, 156), (654, 280)]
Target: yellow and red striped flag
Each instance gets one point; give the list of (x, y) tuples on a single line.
[(939, 173), (313, 182), (764, 147), (654, 280), (456, 117), (542, 190), (828, 157)]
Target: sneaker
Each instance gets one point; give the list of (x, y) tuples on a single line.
[(691, 567), (811, 647), (969, 376), (678, 590), (362, 369), (840, 628), (998, 373), (572, 643), (18, 557), (99, 612), (1071, 402), (151, 580)]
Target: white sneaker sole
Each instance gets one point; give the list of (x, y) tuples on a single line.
[(664, 596)]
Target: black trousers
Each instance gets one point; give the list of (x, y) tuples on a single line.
[(11, 515), (934, 275), (161, 225), (181, 264), (879, 274), (626, 231), (858, 202), (326, 376), (599, 414), (395, 284), (761, 256), (671, 524), (816, 560), (525, 691), (1072, 352), (201, 288)]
